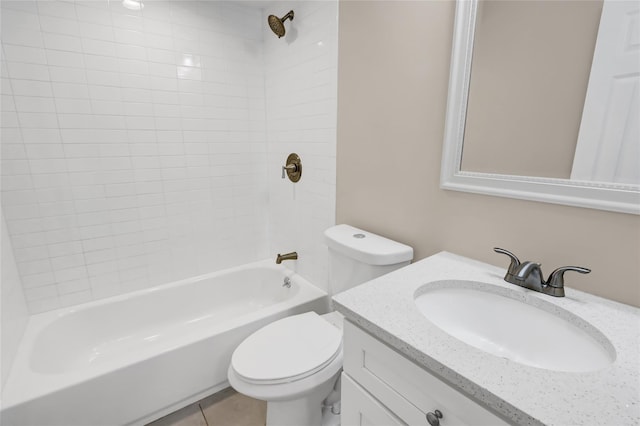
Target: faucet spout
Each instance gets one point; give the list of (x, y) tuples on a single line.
[(287, 256), (529, 275)]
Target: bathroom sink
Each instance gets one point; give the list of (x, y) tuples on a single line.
[(515, 329)]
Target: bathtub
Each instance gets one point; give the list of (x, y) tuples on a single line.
[(133, 358)]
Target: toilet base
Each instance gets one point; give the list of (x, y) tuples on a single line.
[(304, 411)]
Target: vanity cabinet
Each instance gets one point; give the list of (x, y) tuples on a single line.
[(382, 387)]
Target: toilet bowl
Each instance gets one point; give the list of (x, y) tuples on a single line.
[(294, 363)]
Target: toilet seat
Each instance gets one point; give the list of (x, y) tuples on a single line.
[(287, 350)]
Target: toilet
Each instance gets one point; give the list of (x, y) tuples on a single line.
[(294, 363)]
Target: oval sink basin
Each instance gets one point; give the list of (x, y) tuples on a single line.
[(515, 330)]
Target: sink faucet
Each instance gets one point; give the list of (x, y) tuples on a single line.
[(529, 275), (287, 256)]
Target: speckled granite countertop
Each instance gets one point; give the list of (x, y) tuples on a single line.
[(521, 394)]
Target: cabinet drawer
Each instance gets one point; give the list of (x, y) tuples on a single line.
[(403, 387), (359, 408)]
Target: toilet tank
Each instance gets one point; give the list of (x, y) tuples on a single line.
[(356, 256)]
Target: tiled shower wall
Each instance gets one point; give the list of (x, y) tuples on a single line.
[(133, 144), (13, 308), (301, 99)]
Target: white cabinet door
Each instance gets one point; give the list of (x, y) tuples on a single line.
[(404, 388), (359, 408)]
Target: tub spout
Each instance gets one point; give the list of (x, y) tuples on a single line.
[(287, 256)]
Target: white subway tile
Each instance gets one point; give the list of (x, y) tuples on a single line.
[(34, 104), (69, 261), (161, 55), (52, 223), (46, 181), (93, 15), (123, 215), (96, 31), (69, 106), (114, 150), (131, 52), (133, 66), (22, 36), (31, 88), (58, 9), (101, 63), (62, 42), (12, 19), (67, 75), (103, 78), (127, 21), (99, 256), (135, 81), (38, 120), (71, 288), (23, 226), (76, 298), (24, 240), (9, 119), (31, 253), (16, 183), (105, 93), (70, 90), (129, 37), (165, 84), (38, 280), (52, 24), (65, 59), (39, 293), (98, 244), (138, 109), (99, 47), (75, 121), (28, 71), (70, 274), (45, 150), (57, 208), (34, 267), (140, 123)]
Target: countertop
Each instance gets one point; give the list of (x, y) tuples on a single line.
[(521, 394)]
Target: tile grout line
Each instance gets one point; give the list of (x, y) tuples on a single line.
[(203, 416)]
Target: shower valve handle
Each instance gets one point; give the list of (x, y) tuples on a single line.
[(292, 167)]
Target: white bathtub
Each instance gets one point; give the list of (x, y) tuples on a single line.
[(133, 358)]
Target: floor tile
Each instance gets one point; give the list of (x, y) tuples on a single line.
[(191, 415), (233, 409)]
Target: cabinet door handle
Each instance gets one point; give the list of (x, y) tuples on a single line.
[(434, 418)]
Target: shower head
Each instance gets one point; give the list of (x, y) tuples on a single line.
[(277, 24)]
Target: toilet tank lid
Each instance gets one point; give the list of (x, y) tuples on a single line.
[(365, 246)]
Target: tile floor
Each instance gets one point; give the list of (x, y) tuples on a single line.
[(225, 408)]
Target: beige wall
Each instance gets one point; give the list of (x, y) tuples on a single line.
[(392, 91), (531, 63)]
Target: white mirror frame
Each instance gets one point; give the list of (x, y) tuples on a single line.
[(596, 195)]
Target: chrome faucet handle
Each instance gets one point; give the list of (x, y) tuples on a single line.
[(513, 266), (556, 278)]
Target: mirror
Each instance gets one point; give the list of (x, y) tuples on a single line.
[(529, 116)]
